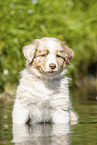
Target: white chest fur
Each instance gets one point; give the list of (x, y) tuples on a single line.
[(41, 100)]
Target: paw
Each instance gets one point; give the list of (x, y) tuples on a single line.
[(61, 117)]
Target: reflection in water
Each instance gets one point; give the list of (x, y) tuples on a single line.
[(85, 132), (41, 134)]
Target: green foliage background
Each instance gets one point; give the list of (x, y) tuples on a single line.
[(21, 21)]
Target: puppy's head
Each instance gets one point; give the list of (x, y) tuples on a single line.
[(48, 55)]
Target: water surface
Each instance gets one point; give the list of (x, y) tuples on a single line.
[(82, 133)]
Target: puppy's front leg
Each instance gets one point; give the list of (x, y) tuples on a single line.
[(20, 114), (60, 109)]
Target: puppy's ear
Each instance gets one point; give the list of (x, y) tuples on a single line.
[(29, 52), (69, 53)]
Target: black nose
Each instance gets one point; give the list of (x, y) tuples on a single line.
[(52, 66)]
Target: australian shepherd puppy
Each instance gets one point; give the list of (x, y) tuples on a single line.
[(43, 94)]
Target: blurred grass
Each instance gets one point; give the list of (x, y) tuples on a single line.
[(22, 21)]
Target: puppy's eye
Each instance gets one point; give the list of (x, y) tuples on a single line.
[(57, 55), (43, 55)]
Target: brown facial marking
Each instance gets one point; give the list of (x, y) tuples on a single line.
[(40, 59), (61, 54), (68, 53), (41, 53), (60, 59), (61, 51)]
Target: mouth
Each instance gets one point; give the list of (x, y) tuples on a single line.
[(52, 72)]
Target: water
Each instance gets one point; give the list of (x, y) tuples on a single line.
[(82, 133)]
